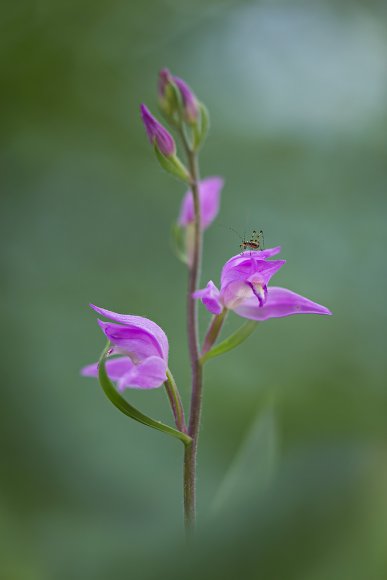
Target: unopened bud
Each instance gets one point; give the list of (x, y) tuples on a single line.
[(157, 134), (175, 94), (167, 93), (190, 102)]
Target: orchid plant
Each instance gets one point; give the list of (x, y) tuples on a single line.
[(136, 354)]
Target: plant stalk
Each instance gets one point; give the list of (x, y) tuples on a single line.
[(193, 345)]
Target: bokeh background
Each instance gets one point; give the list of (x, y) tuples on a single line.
[(293, 452)]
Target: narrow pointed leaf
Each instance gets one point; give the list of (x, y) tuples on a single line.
[(232, 341), (128, 409), (253, 467)]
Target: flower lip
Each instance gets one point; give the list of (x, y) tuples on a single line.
[(280, 303), (235, 293), (260, 291)]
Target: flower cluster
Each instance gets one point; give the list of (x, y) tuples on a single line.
[(136, 355)]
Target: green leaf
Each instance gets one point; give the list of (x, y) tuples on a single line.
[(253, 467), (172, 165), (128, 409), (178, 242), (232, 341)]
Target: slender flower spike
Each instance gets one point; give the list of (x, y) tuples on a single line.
[(244, 289), (209, 199), (142, 347), (157, 134), (167, 100)]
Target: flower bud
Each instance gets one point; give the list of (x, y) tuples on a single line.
[(164, 146), (157, 134), (190, 102), (167, 93), (174, 93)]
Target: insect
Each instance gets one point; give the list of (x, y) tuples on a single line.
[(255, 243)]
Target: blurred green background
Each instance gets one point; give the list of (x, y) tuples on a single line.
[(293, 452)]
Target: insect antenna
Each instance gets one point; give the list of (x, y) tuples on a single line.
[(237, 233)]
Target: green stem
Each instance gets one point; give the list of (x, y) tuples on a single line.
[(190, 488), (193, 344)]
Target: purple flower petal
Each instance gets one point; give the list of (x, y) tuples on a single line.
[(148, 375), (138, 343), (115, 368), (267, 253), (209, 198), (280, 302), (249, 264), (210, 297), (137, 322)]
